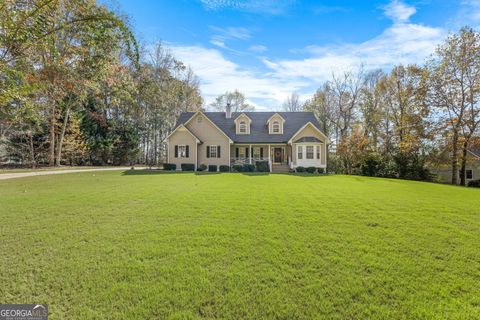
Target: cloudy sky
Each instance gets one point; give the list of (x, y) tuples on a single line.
[(271, 48)]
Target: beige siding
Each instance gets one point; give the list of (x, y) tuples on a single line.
[(181, 137), (209, 135), (280, 120), (444, 173)]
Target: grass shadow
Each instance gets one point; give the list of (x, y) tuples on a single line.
[(142, 172)]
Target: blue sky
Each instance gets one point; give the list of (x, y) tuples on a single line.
[(269, 49)]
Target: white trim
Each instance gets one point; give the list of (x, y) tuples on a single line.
[(181, 126), (276, 114), (477, 157), (244, 115), (304, 126), (200, 112)]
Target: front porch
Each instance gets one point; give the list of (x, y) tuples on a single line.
[(277, 155)]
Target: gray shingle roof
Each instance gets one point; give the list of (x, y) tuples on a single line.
[(258, 128)]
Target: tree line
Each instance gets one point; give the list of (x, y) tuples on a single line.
[(401, 122), (77, 88)]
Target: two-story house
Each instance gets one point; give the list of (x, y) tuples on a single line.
[(285, 139)]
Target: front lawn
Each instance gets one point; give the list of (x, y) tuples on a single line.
[(133, 245)]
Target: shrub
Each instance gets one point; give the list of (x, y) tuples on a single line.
[(248, 168), (169, 166), (237, 168), (300, 169), (202, 167), (321, 170), (474, 183), (212, 168), (262, 166), (188, 167), (224, 168), (311, 169)]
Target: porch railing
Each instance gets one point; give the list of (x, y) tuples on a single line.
[(246, 160)]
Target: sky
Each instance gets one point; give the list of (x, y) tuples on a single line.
[(269, 49)]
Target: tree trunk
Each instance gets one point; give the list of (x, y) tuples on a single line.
[(51, 152), (454, 158), (33, 163), (463, 167), (58, 156)]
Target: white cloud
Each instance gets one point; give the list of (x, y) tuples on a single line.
[(401, 43), (218, 75), (399, 11), (255, 6), (258, 48)]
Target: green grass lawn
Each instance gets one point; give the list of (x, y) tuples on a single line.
[(119, 245)]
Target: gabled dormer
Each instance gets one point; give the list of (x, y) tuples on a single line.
[(242, 124), (275, 124)]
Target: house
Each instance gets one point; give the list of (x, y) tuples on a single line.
[(444, 173), (285, 139)]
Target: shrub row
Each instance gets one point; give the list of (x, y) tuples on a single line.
[(474, 183), (301, 169), (260, 166), (169, 166)]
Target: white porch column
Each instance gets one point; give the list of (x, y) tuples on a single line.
[(250, 154), (269, 158)]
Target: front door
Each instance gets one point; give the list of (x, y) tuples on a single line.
[(277, 155)]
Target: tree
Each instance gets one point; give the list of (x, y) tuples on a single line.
[(455, 88), (236, 99), (292, 103)]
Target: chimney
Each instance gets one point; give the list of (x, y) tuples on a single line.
[(228, 111)]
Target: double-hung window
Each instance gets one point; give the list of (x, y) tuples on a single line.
[(213, 151), (300, 152), (309, 152), (182, 151), (318, 152)]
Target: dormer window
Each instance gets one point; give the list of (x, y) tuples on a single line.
[(243, 127), (276, 127), (242, 124), (275, 124)]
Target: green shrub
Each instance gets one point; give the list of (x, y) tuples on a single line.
[(321, 170), (169, 166), (202, 167), (311, 169), (474, 183), (237, 168), (212, 168), (248, 168), (262, 166), (187, 167), (224, 168), (300, 169)]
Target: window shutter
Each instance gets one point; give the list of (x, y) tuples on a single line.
[(247, 150), (236, 152), (218, 152), (208, 151), (176, 151), (186, 152), (261, 152)]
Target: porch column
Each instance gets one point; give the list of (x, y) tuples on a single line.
[(250, 154), (269, 159)]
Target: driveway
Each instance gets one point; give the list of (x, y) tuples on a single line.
[(6, 176)]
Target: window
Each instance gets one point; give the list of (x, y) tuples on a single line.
[(243, 127), (241, 152), (276, 127), (182, 151), (199, 119), (256, 152), (300, 152), (309, 152), (213, 151), (469, 174), (318, 152)]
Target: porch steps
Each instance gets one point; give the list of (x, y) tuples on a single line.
[(280, 168)]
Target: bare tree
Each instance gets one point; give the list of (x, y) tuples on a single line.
[(292, 103)]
